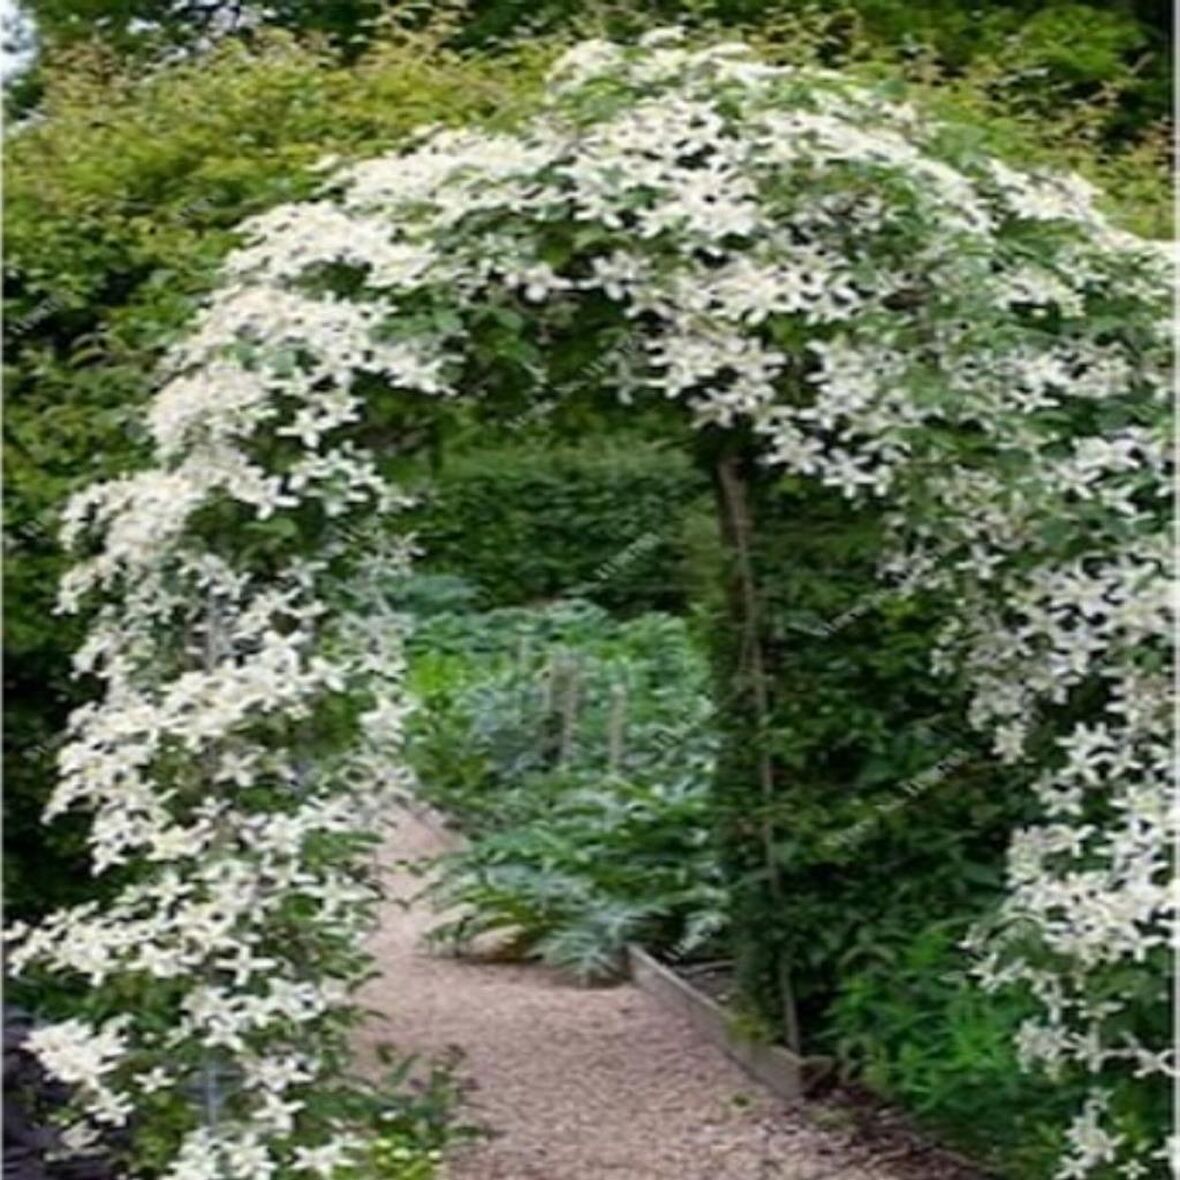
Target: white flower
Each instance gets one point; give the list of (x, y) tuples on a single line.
[(77, 1053), (324, 1160), (155, 1079)]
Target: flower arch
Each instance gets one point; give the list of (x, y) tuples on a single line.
[(887, 309)]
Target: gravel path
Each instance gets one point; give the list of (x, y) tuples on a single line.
[(579, 1083)]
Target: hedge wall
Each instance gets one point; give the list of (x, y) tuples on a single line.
[(528, 523), (1054, 51)]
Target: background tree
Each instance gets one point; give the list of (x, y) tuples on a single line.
[(1126, 45)]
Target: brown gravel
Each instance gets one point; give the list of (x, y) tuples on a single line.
[(580, 1083)]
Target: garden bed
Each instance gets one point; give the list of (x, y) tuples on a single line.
[(699, 996)]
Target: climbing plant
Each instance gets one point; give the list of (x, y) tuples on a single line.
[(121, 201), (797, 265)]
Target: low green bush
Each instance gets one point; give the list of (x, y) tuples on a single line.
[(616, 861), (920, 1032), (414, 1121)]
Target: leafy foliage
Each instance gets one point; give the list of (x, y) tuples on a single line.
[(1106, 121), (921, 1033), (120, 202), (887, 811), (415, 1122), (1124, 47), (532, 522), (575, 751), (412, 1112)]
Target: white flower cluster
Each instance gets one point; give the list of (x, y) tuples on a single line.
[(82, 1056), (890, 312), (233, 951)]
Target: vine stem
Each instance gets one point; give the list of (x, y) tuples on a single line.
[(211, 1096), (752, 667)]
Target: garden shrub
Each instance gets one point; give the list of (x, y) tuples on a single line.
[(603, 522), (918, 1031)]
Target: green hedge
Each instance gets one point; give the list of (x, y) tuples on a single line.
[(528, 523), (1058, 52)]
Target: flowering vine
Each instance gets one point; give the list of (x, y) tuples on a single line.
[(890, 311)]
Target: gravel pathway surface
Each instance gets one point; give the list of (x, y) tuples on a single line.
[(579, 1083)]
